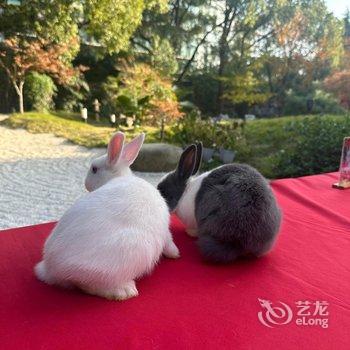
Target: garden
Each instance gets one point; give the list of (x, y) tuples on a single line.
[(236, 78), (277, 147)]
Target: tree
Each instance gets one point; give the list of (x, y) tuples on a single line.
[(107, 23), (185, 27), (141, 91), (36, 27), (301, 36), (51, 21), (339, 85), (112, 23), (158, 53), (40, 35), (306, 44), (338, 82), (245, 25), (18, 57), (245, 89), (250, 52)]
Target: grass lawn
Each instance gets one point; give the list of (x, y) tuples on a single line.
[(264, 139), (70, 126)]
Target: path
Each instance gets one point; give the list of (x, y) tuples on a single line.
[(41, 176)]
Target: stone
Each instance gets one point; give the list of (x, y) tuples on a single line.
[(157, 157), (249, 117)]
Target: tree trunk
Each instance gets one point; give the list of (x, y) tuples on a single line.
[(190, 61), (20, 95), (175, 39), (220, 91), (223, 53), (221, 70), (19, 89)]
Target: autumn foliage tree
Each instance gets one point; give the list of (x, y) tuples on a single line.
[(338, 82), (19, 57), (141, 91)]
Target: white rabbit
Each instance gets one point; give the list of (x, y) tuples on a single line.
[(110, 236)]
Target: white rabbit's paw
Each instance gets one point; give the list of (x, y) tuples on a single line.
[(126, 291), (171, 251)]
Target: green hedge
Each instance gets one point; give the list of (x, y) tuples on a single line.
[(317, 148), (278, 147), (295, 146), (223, 134)]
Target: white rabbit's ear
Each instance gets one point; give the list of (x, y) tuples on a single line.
[(131, 150), (115, 148)]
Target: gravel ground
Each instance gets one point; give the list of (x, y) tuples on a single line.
[(41, 176)]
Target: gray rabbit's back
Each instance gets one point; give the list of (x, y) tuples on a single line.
[(236, 213)]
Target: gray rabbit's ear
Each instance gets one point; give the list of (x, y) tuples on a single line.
[(199, 147), (187, 162)]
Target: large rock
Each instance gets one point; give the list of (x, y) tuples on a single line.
[(157, 157)]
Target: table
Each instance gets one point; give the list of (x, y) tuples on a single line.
[(188, 304)]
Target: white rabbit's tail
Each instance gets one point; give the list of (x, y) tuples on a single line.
[(42, 274), (40, 271)]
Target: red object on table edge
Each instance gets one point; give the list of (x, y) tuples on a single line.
[(188, 304)]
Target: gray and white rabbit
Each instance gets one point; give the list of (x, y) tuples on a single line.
[(231, 209), (112, 235)]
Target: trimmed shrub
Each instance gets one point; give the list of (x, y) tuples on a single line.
[(322, 103), (224, 134), (317, 148), (39, 91)]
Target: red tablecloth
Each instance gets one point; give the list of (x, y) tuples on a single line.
[(187, 304)]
